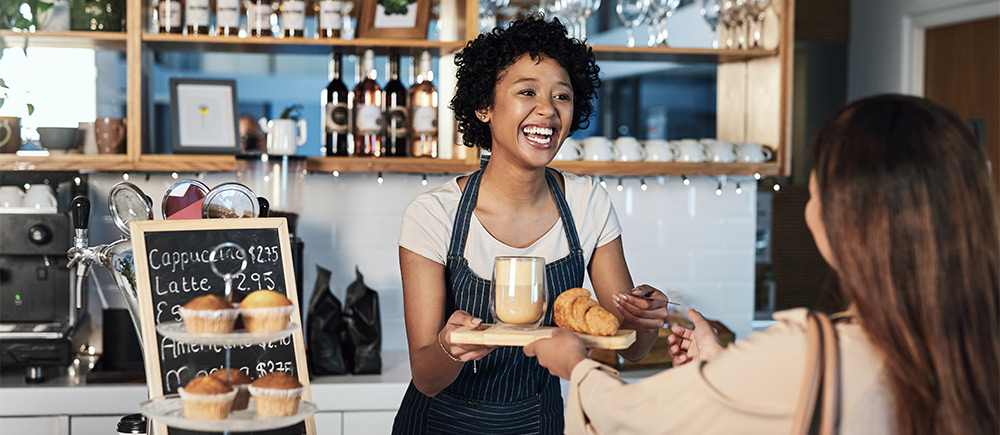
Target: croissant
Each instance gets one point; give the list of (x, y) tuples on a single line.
[(576, 311)]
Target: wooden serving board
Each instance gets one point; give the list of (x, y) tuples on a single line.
[(498, 335)]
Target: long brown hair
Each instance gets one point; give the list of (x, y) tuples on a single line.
[(912, 221)]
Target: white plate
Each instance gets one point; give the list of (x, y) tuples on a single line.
[(170, 410), (176, 331)]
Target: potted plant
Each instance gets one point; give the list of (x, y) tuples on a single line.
[(21, 14)]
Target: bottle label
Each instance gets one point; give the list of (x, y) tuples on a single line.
[(336, 118), (425, 120), (395, 121), (329, 14), (293, 15), (227, 13), (196, 13), (170, 14), (368, 119), (259, 18)]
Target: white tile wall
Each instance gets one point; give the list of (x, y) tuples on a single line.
[(682, 239)]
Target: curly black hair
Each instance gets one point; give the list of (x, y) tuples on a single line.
[(483, 60)]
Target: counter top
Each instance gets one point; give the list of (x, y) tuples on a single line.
[(69, 394)]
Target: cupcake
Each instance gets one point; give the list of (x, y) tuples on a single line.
[(239, 381), (209, 314), (207, 398), (266, 311), (276, 394)]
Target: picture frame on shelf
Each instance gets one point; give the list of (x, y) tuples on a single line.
[(399, 19), (203, 116)]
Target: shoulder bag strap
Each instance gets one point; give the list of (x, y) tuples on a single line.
[(821, 374)]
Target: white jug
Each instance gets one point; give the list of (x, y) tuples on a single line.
[(281, 135)]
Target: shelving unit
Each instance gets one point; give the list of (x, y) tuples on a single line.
[(753, 94)]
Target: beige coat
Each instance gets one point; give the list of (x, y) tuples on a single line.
[(750, 388)]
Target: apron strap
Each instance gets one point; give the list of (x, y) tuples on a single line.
[(567, 217)]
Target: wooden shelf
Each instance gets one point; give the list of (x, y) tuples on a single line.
[(185, 163), (666, 168), (389, 164), (672, 54), (175, 42), (64, 162), (71, 39)]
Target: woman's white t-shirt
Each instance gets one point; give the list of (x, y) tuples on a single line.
[(429, 219)]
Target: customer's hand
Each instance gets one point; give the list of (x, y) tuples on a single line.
[(464, 352), (699, 344), (559, 353), (643, 315)]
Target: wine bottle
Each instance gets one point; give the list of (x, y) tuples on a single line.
[(368, 111), (227, 17), (170, 14), (424, 112), (259, 18), (395, 141), (293, 18), (337, 114), (196, 17), (328, 18)]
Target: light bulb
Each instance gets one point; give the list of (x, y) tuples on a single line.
[(423, 180), (336, 173), (686, 180), (174, 175), (777, 187), (642, 184), (77, 180), (125, 176), (739, 189), (718, 190), (620, 187), (756, 176), (603, 184), (380, 179)]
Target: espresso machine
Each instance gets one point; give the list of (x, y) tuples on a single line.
[(40, 316)]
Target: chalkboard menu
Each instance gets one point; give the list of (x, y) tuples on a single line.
[(172, 264)]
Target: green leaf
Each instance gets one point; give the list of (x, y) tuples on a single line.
[(44, 6), (3, 84), (31, 109), (2, 100)]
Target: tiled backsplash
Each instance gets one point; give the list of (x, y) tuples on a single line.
[(686, 240)]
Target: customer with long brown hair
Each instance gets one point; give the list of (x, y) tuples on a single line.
[(902, 208)]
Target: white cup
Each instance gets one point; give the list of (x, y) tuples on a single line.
[(659, 151), (570, 150), (281, 135), (717, 151), (688, 150), (598, 149), (628, 149), (11, 196), (39, 196), (753, 152)]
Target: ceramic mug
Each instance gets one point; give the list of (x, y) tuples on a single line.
[(110, 135), (659, 151), (570, 150), (10, 134), (753, 152), (598, 149), (11, 196), (717, 151), (628, 149), (39, 196), (688, 150), (281, 135), (86, 137)]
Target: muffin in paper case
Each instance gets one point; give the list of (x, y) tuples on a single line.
[(207, 406), (268, 319), (276, 402), (209, 321)]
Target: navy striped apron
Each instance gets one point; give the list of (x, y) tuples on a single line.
[(505, 392)]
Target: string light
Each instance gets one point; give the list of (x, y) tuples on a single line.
[(642, 184), (603, 184), (756, 176), (125, 176), (739, 189), (174, 175), (718, 190), (77, 180), (380, 179), (777, 187), (620, 187), (423, 180), (336, 173), (686, 180)]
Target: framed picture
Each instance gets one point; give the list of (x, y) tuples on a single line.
[(203, 116), (401, 19)]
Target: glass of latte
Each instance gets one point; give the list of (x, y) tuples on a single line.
[(518, 296)]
